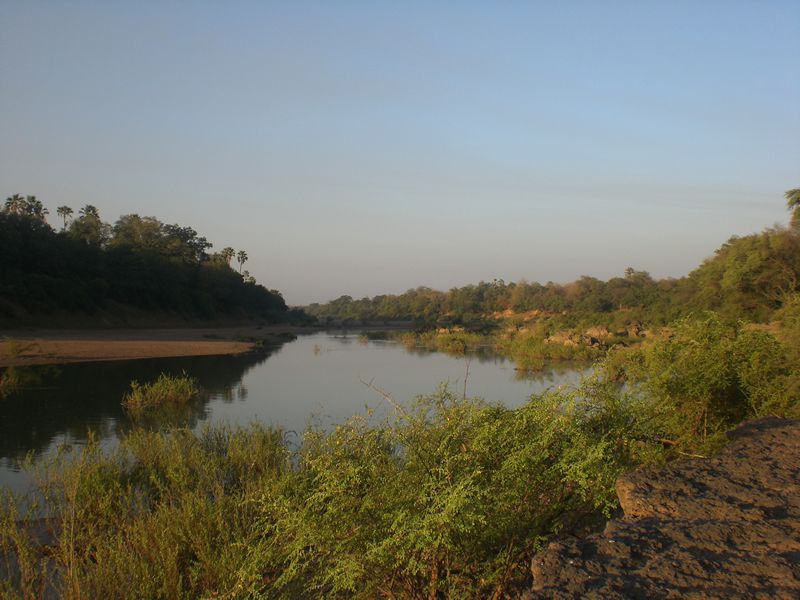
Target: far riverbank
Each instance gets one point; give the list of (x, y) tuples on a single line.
[(22, 347), (51, 346)]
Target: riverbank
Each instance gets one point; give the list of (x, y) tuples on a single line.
[(24, 347)]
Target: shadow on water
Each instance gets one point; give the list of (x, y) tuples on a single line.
[(48, 403)]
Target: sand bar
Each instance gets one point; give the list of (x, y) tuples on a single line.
[(39, 347)]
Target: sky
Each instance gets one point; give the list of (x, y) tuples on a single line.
[(365, 148)]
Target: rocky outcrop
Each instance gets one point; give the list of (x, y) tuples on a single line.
[(569, 338), (600, 333), (722, 527)]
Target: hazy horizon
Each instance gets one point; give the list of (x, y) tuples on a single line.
[(357, 148)]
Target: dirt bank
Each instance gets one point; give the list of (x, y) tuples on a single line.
[(38, 347), (723, 527)]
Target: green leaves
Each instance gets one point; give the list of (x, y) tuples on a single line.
[(702, 376), (166, 390), (451, 496)]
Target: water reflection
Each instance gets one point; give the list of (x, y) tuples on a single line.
[(550, 372), (65, 402)]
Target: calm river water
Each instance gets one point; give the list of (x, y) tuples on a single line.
[(313, 379)]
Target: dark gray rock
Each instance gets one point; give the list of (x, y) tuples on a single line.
[(722, 527)]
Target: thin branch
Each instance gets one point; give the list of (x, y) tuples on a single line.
[(468, 359), (386, 396), (690, 455)]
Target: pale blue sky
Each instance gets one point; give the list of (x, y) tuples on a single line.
[(369, 147)]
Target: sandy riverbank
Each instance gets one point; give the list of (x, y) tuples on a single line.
[(40, 347)]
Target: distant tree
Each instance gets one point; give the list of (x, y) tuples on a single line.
[(227, 254), (15, 204), (90, 211), (33, 207), (138, 233), (89, 228), (29, 206), (247, 277), (793, 204), (65, 212), (241, 258), (184, 245)]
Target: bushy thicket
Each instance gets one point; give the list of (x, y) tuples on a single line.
[(702, 375)]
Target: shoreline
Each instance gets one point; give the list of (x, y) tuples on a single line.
[(28, 346), (24, 347)]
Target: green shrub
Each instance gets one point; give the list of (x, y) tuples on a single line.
[(451, 499), (166, 390), (530, 350), (706, 376)]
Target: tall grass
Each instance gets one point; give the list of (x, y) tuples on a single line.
[(165, 515), (166, 390)]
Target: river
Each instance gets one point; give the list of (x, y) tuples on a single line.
[(314, 379)]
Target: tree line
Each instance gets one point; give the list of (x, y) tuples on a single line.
[(747, 277), (136, 264)]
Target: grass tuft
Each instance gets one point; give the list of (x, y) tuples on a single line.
[(166, 390)]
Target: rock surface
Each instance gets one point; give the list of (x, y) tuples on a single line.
[(722, 527)]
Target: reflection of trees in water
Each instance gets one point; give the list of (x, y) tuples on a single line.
[(481, 354), (167, 415), (488, 355), (551, 372), (67, 401), (232, 394), (346, 339)]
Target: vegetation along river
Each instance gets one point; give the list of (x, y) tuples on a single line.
[(314, 379)]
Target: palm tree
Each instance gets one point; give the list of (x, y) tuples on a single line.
[(15, 204), (793, 204), (65, 212), (241, 258), (227, 254), (35, 208), (89, 211)]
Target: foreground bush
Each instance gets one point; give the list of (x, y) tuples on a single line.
[(452, 496), (452, 499), (165, 390)]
